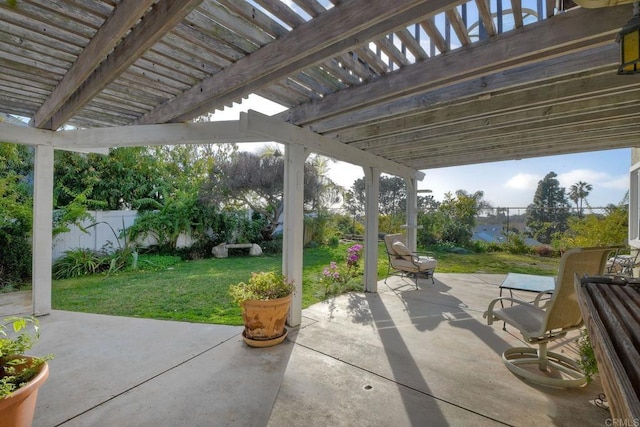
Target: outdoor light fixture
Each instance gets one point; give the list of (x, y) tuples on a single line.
[(629, 39)]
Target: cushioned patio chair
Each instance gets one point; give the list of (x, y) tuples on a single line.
[(541, 324), (404, 262)]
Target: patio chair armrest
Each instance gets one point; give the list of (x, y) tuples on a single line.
[(489, 313), (536, 301)]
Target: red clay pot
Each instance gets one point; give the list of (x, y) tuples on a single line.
[(264, 321)]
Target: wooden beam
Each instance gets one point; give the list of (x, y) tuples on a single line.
[(538, 139), (333, 32), (124, 16), (473, 132), (25, 135), (516, 7), (485, 16), (579, 30), (165, 15), (551, 126), (346, 127), (144, 135), (270, 128), (574, 90), (429, 27), (459, 26), (580, 142)]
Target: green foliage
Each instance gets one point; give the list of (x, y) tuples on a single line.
[(15, 214), (250, 180), (609, 229), (318, 227), (429, 233), (587, 361), (454, 219), (265, 285), (515, 244), (578, 193), (157, 262), (17, 335), (272, 247), (166, 224), (344, 277), (74, 213), (548, 213), (79, 262)]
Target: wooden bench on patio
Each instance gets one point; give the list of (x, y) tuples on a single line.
[(611, 313), (222, 250)]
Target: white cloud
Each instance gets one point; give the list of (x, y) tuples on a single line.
[(567, 179), (595, 178), (619, 183), (523, 181)]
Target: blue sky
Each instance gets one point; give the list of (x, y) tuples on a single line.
[(505, 184)]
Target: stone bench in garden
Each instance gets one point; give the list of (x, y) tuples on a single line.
[(222, 250)]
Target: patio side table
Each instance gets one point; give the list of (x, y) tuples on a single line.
[(528, 283)]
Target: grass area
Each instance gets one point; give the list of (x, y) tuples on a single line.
[(196, 291)]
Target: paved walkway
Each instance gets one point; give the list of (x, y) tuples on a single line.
[(400, 357)]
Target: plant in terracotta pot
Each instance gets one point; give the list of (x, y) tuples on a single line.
[(265, 301), (20, 375)]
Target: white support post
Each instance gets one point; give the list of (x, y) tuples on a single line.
[(42, 229), (412, 213), (372, 192), (295, 156)]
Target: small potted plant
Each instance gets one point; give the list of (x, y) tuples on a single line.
[(20, 376), (265, 301)]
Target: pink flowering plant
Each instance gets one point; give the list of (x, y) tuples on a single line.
[(338, 278)]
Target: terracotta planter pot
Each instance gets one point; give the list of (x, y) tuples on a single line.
[(18, 409), (264, 321)]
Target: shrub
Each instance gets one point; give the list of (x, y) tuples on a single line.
[(587, 361), (478, 246), (272, 247), (79, 262), (337, 279), (515, 244), (545, 251), (265, 285), (333, 241), (15, 257)]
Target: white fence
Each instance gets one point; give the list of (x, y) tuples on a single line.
[(108, 227)]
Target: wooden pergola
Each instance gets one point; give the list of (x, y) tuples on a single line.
[(393, 86)]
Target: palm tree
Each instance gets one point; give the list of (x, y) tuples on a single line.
[(578, 193)]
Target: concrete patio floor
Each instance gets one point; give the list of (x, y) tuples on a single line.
[(400, 357)]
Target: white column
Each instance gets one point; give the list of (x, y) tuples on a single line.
[(372, 193), (293, 227), (42, 229), (412, 213)]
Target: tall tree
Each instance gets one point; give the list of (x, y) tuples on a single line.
[(578, 193), (457, 215), (249, 179), (392, 198), (548, 213)]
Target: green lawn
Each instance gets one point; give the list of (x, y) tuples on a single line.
[(196, 291)]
